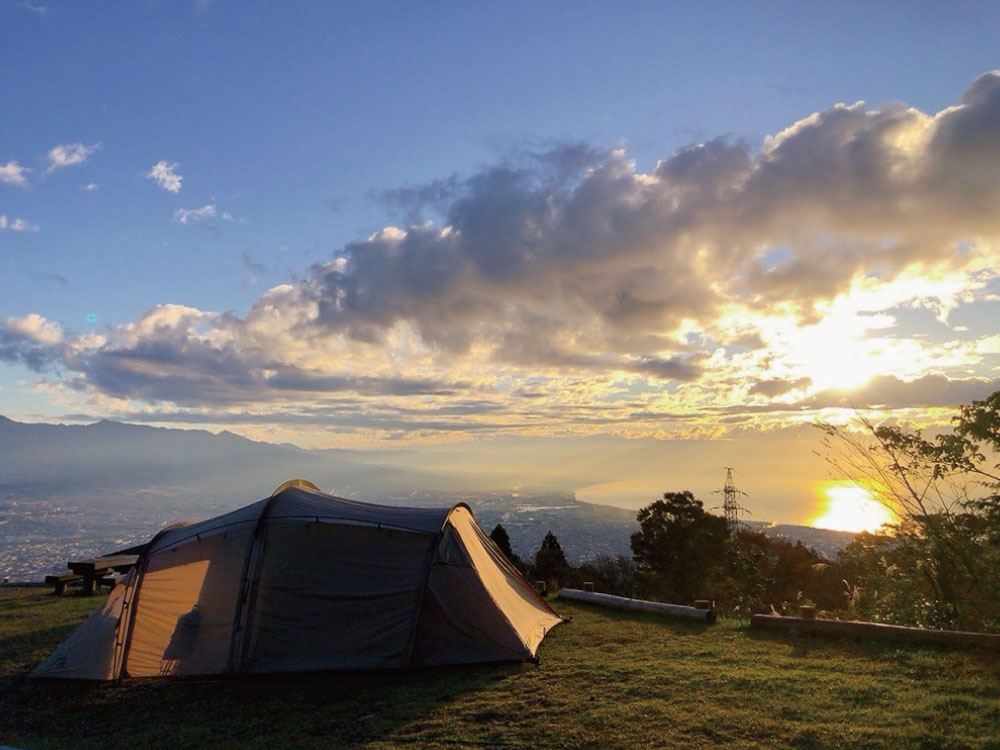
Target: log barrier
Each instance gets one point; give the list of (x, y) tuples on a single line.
[(855, 629), (638, 605)]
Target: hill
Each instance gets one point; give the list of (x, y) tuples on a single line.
[(606, 680)]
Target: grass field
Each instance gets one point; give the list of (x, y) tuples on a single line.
[(606, 680)]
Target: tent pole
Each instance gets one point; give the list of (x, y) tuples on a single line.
[(239, 640)]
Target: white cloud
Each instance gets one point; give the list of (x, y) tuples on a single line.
[(988, 345), (90, 187), (13, 173), (569, 291), (33, 327), (165, 175), (69, 154), (186, 215), (17, 225)]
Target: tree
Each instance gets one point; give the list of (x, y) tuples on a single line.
[(678, 546), (745, 587), (610, 575), (550, 561), (500, 538), (941, 563), (762, 573)]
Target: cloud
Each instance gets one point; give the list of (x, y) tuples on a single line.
[(411, 202), (616, 297), (194, 215), (778, 386), (13, 173), (52, 280), (69, 154), (255, 268), (165, 175), (31, 340), (90, 187), (17, 225), (672, 368), (890, 392)]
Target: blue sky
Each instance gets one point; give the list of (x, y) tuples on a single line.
[(290, 124), (291, 117)]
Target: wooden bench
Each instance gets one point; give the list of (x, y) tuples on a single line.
[(60, 582)]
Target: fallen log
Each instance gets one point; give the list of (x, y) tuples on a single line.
[(638, 605), (855, 629)]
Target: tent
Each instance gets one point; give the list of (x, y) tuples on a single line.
[(303, 581)]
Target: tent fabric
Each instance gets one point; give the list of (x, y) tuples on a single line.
[(303, 581)]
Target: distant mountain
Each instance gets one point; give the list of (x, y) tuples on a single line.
[(827, 542), (55, 459)]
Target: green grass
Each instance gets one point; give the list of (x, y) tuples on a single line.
[(607, 680)]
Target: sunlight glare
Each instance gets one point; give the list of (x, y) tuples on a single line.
[(832, 352), (851, 508)]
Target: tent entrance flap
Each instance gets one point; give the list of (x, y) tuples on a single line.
[(336, 597)]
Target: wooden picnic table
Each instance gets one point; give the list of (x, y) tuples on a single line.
[(94, 570), (98, 567)]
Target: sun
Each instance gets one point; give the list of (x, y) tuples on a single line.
[(849, 507)]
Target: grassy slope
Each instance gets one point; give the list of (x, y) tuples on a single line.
[(607, 680)]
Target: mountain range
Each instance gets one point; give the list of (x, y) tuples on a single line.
[(120, 481)]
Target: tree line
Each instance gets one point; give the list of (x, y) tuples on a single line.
[(682, 553), (938, 566)]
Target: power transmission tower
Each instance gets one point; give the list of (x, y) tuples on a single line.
[(731, 507)]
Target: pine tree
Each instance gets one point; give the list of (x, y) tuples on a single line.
[(550, 561), (500, 538)]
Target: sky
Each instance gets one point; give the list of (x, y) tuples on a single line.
[(610, 247)]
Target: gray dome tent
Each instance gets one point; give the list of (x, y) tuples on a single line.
[(302, 581)]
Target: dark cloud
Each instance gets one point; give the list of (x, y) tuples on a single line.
[(30, 341), (881, 392), (51, 280), (412, 203), (257, 269), (194, 375), (777, 386), (288, 378), (35, 356), (887, 391), (684, 369)]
